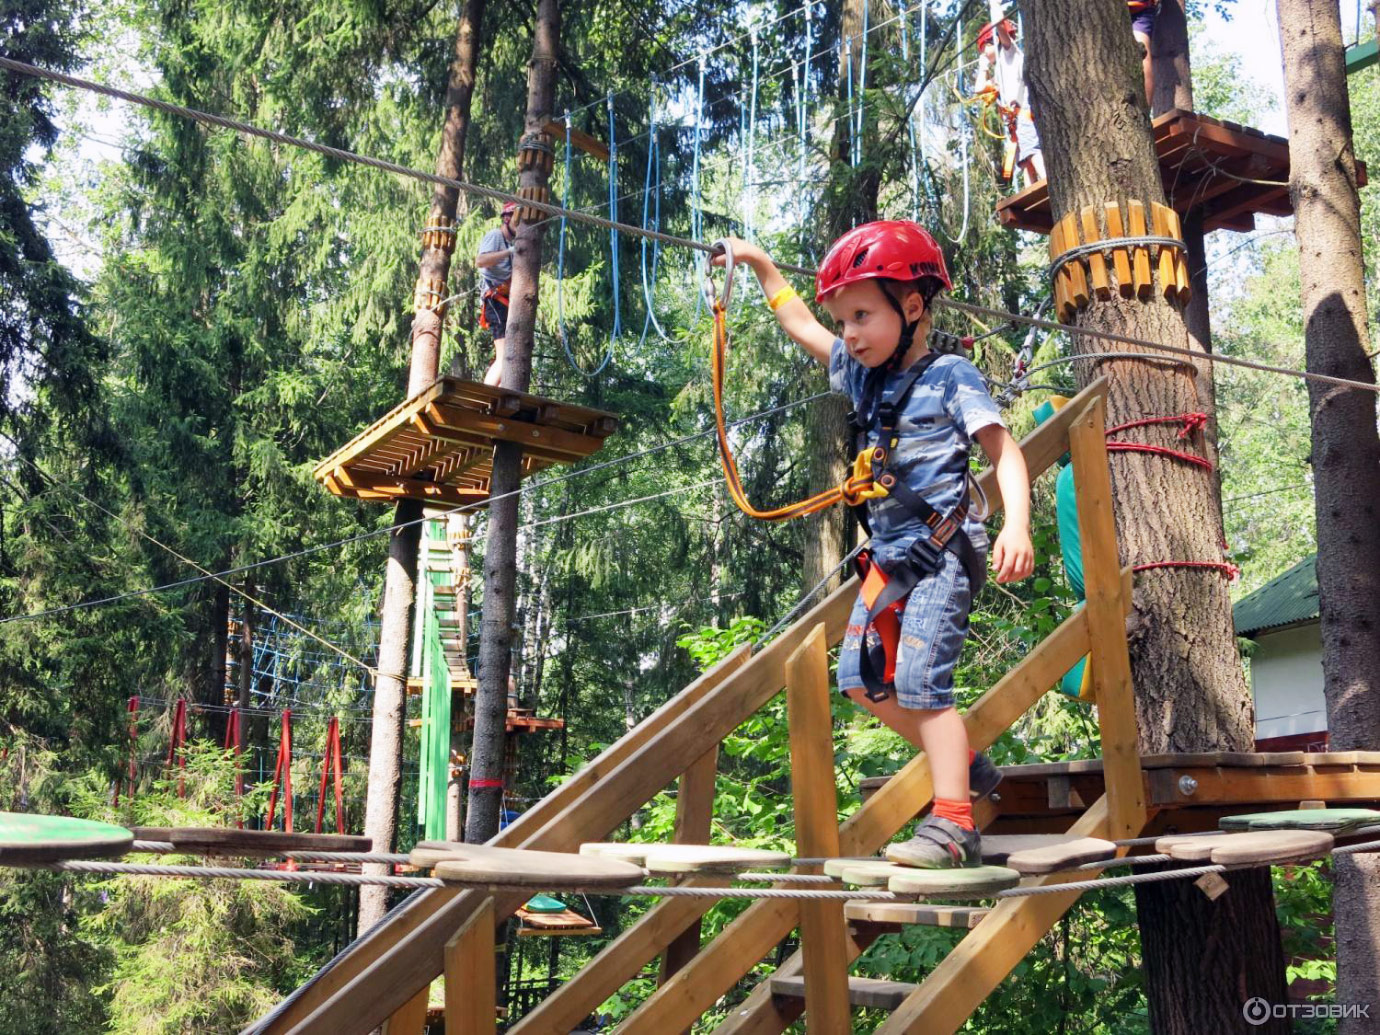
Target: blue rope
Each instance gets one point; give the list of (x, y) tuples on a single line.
[(696, 214), (749, 174), (862, 87), (910, 119), (853, 143), (651, 196), (803, 108), (613, 235), (560, 255)]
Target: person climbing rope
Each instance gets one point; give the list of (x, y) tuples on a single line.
[(495, 262), (916, 414), (1001, 77), (1143, 14)]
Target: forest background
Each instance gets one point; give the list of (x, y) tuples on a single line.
[(191, 320)]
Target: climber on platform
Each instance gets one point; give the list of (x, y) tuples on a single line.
[(495, 262), (916, 416), (1143, 14), (1001, 76)]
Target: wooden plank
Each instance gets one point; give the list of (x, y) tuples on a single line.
[(1078, 278), (358, 483), (1053, 858), (964, 978), (471, 976), (1107, 606), (432, 918), (814, 791), (266, 843), (1140, 255), (872, 993), (1121, 260), (524, 867), (903, 914), (1097, 262), (1261, 786), (457, 421), (657, 929), (1063, 284), (1183, 282), (1165, 258), (410, 1018)]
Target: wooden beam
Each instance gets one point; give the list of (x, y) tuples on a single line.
[(1264, 786), (823, 930), (979, 963), (694, 817), (1107, 605), (471, 976), (356, 482), (586, 143)]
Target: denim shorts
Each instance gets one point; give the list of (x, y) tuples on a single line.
[(1143, 22), (933, 628)]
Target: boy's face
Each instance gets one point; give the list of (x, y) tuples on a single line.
[(867, 322)]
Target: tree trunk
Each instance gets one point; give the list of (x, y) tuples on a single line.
[(458, 538), (1346, 449), (213, 692), (500, 548), (385, 750), (1087, 97), (1169, 59)]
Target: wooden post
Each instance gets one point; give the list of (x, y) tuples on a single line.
[(694, 814), (823, 930), (1110, 659), (471, 978)]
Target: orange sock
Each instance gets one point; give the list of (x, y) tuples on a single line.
[(972, 756), (960, 812)]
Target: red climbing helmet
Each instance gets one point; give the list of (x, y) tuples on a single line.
[(509, 207), (986, 33), (889, 249)]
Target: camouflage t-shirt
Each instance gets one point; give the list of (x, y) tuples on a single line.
[(944, 411)]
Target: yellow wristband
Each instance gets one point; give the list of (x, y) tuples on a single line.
[(781, 298)]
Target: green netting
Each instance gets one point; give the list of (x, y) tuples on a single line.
[(435, 760)]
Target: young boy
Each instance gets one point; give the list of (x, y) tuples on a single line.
[(878, 282)]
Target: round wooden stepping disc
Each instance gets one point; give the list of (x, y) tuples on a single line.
[(870, 873), (712, 859), (267, 843), (30, 840), (1053, 858), (968, 882), (518, 867), (635, 854), (1260, 846), (997, 848), (1335, 820), (835, 867)]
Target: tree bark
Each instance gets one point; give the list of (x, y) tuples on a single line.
[(500, 548), (385, 749), (1088, 99), (1346, 448), (1169, 59)]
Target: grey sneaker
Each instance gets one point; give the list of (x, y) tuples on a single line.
[(938, 844), (983, 777)]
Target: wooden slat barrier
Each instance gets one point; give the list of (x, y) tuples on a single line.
[(389, 966), (1082, 279)]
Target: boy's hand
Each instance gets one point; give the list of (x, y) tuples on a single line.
[(743, 251), (1013, 555)]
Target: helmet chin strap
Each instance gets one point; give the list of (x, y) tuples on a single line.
[(907, 337)]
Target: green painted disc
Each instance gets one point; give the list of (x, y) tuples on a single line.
[(1303, 819), (30, 840)]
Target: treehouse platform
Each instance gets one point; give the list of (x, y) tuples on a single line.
[(1228, 171), (438, 446), (1183, 793)]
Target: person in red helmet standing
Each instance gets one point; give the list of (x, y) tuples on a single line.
[(918, 413), (1001, 72), (495, 262)]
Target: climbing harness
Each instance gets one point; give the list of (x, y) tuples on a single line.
[(497, 293)]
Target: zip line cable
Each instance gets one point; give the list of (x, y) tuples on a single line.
[(593, 220)]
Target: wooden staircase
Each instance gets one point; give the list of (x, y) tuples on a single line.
[(383, 974)]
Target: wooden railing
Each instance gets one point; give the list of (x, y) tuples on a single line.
[(383, 974)]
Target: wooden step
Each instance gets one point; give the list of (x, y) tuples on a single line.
[(874, 993), (900, 914)]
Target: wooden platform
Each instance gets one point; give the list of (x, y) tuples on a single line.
[(1185, 792), (438, 446), (565, 924), (1206, 163)]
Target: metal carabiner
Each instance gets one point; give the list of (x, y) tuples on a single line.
[(719, 247)]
